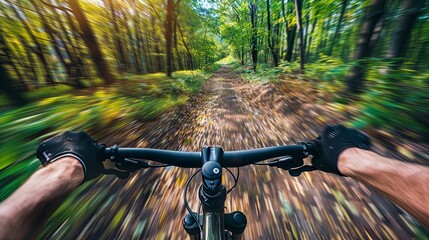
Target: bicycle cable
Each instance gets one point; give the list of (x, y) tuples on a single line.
[(199, 209), (235, 179), (261, 164), (151, 166), (186, 200), (159, 166)]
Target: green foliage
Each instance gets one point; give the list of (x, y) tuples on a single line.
[(289, 67), (228, 60), (396, 101), (327, 69), (22, 129), (39, 94), (211, 68), (263, 74), (235, 27)]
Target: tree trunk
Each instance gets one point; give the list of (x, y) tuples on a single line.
[(272, 37), (138, 38), (269, 40), (325, 34), (298, 7), (254, 38), (261, 40), (7, 54), (134, 62), (277, 39), (290, 34), (76, 64), (190, 58), (148, 58), (417, 42), (410, 11), (306, 35), (310, 40), (179, 59), (120, 53), (91, 42), (31, 64), (146, 48), (6, 85), (74, 81), (39, 49), (169, 37), (80, 54), (242, 55), (158, 64), (345, 47), (20, 66), (369, 33), (337, 30)]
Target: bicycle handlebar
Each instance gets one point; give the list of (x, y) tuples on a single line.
[(193, 159), (212, 193)]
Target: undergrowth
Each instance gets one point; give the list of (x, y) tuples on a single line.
[(393, 100), (138, 97), (396, 101)]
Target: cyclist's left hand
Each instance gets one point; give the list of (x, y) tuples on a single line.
[(74, 144)]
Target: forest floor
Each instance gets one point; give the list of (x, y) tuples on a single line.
[(236, 114)]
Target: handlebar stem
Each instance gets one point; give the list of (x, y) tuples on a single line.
[(212, 193)]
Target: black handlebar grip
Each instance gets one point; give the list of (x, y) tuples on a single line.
[(312, 148)]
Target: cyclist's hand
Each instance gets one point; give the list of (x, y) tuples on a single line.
[(332, 142), (75, 144)]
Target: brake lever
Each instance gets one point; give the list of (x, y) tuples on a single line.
[(127, 165), (117, 173), (287, 163), (297, 171), (130, 164)]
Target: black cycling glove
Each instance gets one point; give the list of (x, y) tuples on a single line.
[(75, 144), (333, 141)]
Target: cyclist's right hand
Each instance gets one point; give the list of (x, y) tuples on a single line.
[(332, 142)]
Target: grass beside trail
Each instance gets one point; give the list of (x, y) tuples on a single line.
[(394, 100), (137, 97)]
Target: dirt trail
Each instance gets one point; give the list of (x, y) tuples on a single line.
[(238, 115)]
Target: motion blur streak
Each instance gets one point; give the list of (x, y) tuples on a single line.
[(231, 113), (236, 73)]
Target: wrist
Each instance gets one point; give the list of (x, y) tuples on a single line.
[(353, 160), (68, 170)]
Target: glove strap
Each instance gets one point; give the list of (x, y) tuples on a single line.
[(45, 161)]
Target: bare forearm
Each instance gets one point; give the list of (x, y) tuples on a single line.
[(32, 204), (404, 183)]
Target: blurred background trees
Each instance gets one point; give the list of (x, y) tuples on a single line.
[(347, 30), (367, 48), (52, 42), (373, 52), (116, 64), (70, 42)]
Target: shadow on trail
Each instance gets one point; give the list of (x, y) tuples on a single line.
[(236, 115)]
